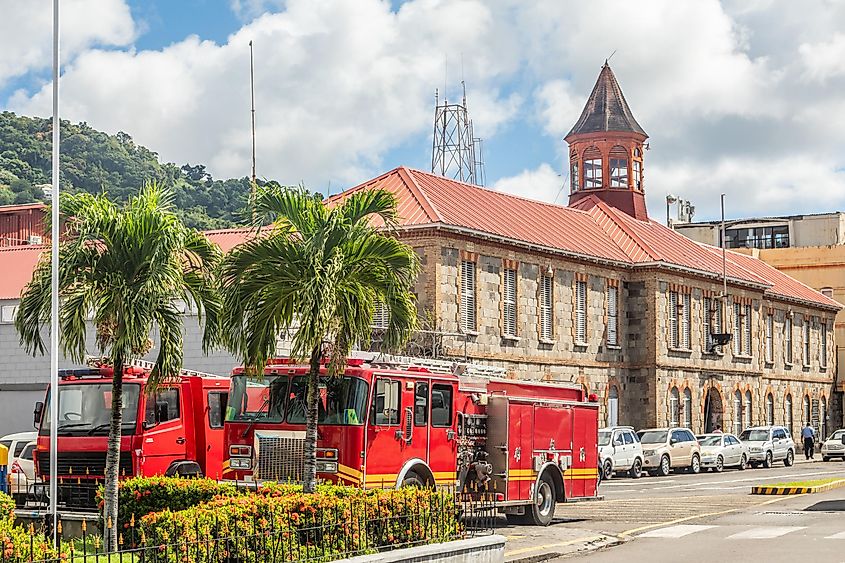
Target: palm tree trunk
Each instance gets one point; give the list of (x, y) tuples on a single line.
[(113, 457), (309, 479)]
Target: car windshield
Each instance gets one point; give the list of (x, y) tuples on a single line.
[(838, 435), (754, 435), (604, 438), (652, 436), (85, 409), (710, 440), (342, 400)]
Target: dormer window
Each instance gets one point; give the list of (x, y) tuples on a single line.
[(618, 167), (592, 168)]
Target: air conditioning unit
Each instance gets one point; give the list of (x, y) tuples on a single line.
[(34, 239)]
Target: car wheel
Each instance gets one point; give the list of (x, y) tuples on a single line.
[(636, 469), (720, 464), (607, 470), (542, 510), (826, 458), (789, 459), (754, 464), (695, 466), (768, 463), (665, 466), (743, 463)]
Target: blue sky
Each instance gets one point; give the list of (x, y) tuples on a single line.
[(742, 97)]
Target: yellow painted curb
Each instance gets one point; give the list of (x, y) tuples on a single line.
[(773, 490)]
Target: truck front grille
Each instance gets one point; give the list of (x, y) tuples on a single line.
[(89, 465), (281, 455)]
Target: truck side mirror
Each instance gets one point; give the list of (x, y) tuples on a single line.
[(36, 414)]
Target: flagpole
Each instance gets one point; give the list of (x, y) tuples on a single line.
[(54, 287)]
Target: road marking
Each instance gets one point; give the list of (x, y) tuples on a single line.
[(839, 536), (698, 486), (765, 533), (678, 531), (696, 516), (545, 547)]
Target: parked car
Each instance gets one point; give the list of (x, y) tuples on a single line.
[(722, 450), (665, 449), (768, 444), (834, 446), (17, 442), (620, 450), (22, 475)]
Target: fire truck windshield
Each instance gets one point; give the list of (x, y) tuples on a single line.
[(342, 400), (85, 409)]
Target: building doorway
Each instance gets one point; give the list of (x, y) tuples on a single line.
[(713, 410)]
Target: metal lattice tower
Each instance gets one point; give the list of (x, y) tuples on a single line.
[(455, 152)]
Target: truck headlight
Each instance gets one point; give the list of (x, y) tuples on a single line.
[(242, 451), (240, 463), (326, 467)]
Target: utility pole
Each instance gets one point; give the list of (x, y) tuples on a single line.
[(253, 185), (54, 288)]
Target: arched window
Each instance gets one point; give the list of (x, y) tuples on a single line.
[(592, 169), (805, 414), (687, 408), (612, 406), (770, 409), (673, 407), (737, 413), (822, 419), (574, 177), (749, 420), (618, 167), (789, 417)]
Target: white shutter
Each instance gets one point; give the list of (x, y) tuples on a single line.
[(737, 329), (546, 308), (673, 319), (509, 302), (770, 326), (380, 315), (787, 329), (806, 340), (468, 296), (746, 348), (685, 322), (823, 347), (581, 312), (708, 311), (612, 315)]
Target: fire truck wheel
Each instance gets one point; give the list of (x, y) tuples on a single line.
[(413, 480), (542, 510), (636, 469), (607, 469)]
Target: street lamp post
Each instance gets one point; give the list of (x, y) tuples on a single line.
[(54, 287)]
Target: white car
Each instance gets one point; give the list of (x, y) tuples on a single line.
[(768, 444), (17, 442), (834, 446), (22, 475), (722, 450), (620, 450)]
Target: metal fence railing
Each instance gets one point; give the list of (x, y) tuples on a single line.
[(352, 527)]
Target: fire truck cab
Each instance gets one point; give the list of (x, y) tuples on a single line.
[(177, 430), (398, 423)]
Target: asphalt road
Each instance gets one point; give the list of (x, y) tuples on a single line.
[(632, 507)]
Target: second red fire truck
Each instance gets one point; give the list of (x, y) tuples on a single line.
[(400, 422)]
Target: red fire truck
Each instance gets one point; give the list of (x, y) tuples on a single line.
[(178, 430), (395, 423)]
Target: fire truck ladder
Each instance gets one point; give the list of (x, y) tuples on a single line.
[(96, 361), (438, 366)]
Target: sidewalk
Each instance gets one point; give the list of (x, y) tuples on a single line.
[(527, 544)]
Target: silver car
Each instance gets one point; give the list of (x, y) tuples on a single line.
[(722, 450), (834, 446), (768, 444)]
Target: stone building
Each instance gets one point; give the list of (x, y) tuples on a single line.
[(598, 293)]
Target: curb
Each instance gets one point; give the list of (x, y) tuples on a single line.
[(773, 490), (554, 551)]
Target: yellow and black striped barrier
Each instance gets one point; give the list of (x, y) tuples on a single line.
[(795, 490)]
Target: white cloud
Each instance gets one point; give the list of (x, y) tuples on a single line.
[(26, 38), (541, 183), (250, 9), (825, 59), (337, 85)]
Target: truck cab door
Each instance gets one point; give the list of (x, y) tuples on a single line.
[(443, 442), (385, 433), (164, 434)]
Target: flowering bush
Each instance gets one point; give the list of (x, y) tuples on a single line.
[(21, 544), (7, 507)]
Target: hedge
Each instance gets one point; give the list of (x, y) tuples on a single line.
[(7, 507), (278, 524), (22, 544)]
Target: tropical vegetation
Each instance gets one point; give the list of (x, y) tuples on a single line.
[(317, 273), (124, 267)]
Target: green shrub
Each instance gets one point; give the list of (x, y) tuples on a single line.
[(22, 544), (282, 523), (7, 507)]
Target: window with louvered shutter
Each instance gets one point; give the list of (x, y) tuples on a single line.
[(673, 407), (546, 314), (806, 327), (823, 350), (749, 419), (468, 296), (673, 319), (685, 321), (380, 315), (787, 334), (613, 315), (581, 312), (737, 329), (770, 345), (770, 409), (706, 316), (687, 408), (509, 302), (746, 343)]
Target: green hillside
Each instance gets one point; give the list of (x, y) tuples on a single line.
[(94, 161)]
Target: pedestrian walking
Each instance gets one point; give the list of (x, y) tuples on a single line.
[(718, 429), (808, 435)]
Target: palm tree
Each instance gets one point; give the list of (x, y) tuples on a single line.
[(318, 273), (125, 266)]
